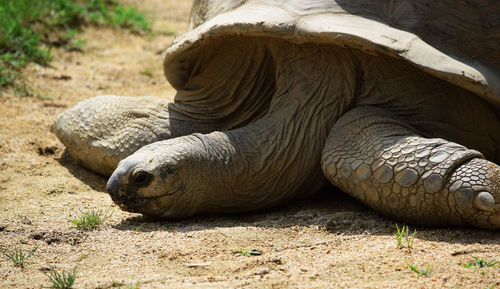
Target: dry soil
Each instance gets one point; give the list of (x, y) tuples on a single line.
[(330, 241)]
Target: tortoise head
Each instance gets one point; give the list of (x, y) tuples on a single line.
[(153, 181)]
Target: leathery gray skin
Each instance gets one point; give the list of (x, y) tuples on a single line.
[(339, 114), (101, 131)]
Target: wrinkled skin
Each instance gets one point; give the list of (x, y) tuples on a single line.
[(373, 126)]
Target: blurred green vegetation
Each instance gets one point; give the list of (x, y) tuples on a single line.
[(30, 28)]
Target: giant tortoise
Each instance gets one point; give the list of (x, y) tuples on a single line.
[(397, 103)]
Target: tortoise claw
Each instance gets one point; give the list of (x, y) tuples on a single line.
[(484, 201)]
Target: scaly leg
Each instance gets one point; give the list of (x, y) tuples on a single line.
[(101, 131), (377, 158)]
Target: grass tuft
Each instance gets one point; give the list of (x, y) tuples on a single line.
[(423, 271), (18, 257), (147, 72), (241, 252), (403, 236), (30, 28), (61, 280), (481, 264), (89, 220)]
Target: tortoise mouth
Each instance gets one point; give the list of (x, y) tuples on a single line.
[(134, 205), (149, 206)]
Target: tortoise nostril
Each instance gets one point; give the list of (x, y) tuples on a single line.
[(112, 186), (141, 178)]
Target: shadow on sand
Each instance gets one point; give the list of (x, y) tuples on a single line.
[(96, 181), (330, 209)]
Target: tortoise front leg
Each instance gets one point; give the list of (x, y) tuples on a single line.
[(377, 158)]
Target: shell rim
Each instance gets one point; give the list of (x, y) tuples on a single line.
[(260, 20)]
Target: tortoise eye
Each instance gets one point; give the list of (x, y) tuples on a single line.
[(141, 178)]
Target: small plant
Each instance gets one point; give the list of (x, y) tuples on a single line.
[(133, 285), (480, 263), (403, 235), (139, 228), (147, 72), (62, 280), (240, 252), (18, 256), (129, 18), (90, 220), (423, 271)]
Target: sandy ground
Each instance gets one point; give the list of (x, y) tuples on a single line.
[(330, 241)]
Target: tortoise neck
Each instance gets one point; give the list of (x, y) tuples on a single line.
[(180, 124), (277, 158)]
